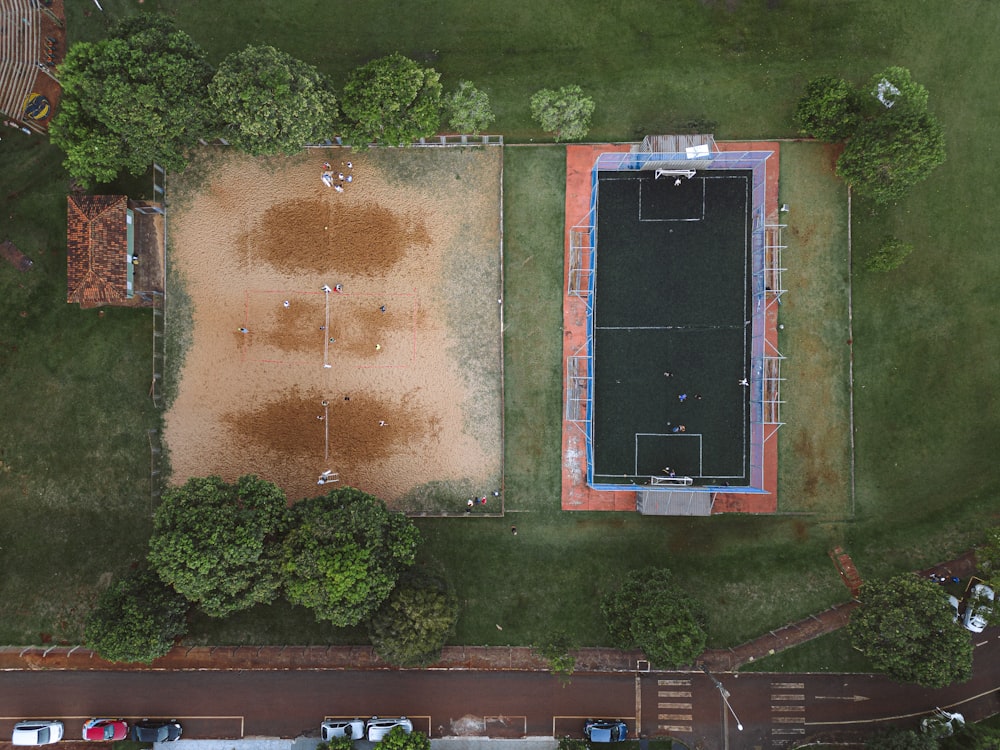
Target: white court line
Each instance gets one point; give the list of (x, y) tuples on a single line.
[(326, 330)]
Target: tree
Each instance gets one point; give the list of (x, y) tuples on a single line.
[(972, 737), (901, 739), (557, 652), (468, 109), (894, 87), (988, 554), (217, 543), (565, 112), (132, 99), (397, 739), (830, 109), (391, 100), (271, 103), (648, 611), (905, 626), (337, 743), (889, 255), (413, 624), (344, 554), (889, 154), (137, 619)]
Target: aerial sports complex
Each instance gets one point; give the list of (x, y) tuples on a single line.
[(673, 285)]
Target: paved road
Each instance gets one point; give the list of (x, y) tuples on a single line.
[(776, 710)]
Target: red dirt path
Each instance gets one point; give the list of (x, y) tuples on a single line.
[(576, 495)]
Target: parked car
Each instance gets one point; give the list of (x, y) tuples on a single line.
[(379, 728), (156, 730), (605, 730), (37, 732), (353, 728), (978, 608), (105, 730)]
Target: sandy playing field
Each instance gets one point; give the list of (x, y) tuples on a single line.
[(403, 402)]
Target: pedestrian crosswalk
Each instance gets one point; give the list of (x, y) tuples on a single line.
[(788, 712), (674, 709)]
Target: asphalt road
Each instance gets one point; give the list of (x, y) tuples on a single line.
[(775, 710)]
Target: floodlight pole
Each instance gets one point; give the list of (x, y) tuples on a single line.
[(725, 696)]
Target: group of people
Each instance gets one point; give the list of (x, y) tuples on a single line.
[(338, 179)]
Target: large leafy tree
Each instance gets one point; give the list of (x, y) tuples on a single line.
[(890, 153), (649, 611), (468, 109), (392, 101), (132, 99), (829, 109), (397, 739), (137, 619), (413, 624), (895, 87), (901, 739), (218, 543), (565, 113), (269, 102), (344, 554), (905, 626)]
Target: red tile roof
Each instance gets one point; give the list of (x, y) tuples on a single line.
[(97, 248)]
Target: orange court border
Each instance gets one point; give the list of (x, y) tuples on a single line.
[(576, 495)]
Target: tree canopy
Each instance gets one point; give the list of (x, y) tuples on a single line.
[(895, 87), (413, 624), (649, 611), (906, 627), (269, 102), (131, 99), (565, 113), (830, 109), (896, 738), (392, 101), (137, 619), (218, 543), (468, 109), (397, 739), (344, 554), (890, 153)]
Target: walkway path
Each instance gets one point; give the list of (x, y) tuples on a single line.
[(488, 658)]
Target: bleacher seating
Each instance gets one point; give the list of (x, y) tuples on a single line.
[(21, 52)]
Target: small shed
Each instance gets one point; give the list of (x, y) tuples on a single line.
[(114, 252)]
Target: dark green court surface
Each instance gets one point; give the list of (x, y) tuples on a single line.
[(672, 331)]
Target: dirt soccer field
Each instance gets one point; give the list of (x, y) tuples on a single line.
[(393, 379)]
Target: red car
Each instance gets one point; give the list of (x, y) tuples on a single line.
[(105, 730)]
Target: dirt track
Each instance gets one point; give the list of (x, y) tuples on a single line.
[(415, 232)]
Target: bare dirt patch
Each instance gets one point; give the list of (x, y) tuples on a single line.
[(394, 381)]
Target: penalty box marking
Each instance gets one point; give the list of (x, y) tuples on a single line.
[(409, 301)]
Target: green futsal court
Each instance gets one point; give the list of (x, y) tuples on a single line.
[(671, 327)]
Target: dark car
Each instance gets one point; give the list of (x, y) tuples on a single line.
[(156, 730), (605, 730)]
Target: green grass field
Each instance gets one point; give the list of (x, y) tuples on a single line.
[(73, 445)]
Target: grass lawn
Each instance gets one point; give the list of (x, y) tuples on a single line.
[(73, 441), (74, 451), (814, 444)]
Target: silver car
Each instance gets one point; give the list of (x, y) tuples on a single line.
[(379, 728), (978, 608), (333, 728), (37, 732)]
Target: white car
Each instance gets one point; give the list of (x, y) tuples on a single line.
[(37, 732), (379, 728), (332, 728), (978, 608)]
